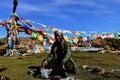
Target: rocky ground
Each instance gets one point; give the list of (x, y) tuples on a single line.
[(109, 44)]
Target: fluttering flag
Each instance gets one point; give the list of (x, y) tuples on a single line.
[(66, 38), (28, 31), (20, 29), (34, 34), (40, 37), (54, 29), (77, 33)]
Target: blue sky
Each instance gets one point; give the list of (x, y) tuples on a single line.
[(92, 16)]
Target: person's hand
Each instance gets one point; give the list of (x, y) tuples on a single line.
[(44, 63), (63, 67)]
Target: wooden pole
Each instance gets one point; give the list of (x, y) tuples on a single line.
[(15, 3)]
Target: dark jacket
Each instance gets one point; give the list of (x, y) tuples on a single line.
[(62, 55)]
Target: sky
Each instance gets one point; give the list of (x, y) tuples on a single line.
[(92, 16)]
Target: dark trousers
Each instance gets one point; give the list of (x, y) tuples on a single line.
[(58, 68)]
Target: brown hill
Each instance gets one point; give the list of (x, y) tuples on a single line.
[(3, 42), (111, 44), (108, 43)]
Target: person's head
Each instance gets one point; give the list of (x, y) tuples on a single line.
[(58, 35)]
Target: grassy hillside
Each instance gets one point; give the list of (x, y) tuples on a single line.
[(91, 66), (16, 67)]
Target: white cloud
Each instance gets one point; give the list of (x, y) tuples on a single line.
[(62, 7)]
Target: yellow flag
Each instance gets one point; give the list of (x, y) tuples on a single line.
[(40, 37)]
